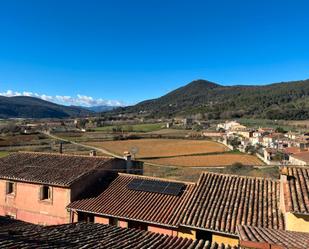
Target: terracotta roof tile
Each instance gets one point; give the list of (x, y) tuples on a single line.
[(53, 169), (297, 194), (221, 202), (119, 201), (93, 235), (304, 156), (255, 237)]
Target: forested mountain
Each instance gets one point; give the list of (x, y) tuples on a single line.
[(30, 107), (286, 100)]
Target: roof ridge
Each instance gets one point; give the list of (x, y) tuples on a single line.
[(156, 178), (240, 176), (60, 154)]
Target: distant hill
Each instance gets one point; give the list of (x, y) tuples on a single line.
[(286, 100), (30, 107), (101, 108)]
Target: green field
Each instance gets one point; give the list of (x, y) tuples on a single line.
[(131, 128), (3, 153), (255, 123)]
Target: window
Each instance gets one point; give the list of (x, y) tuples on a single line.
[(137, 225), (204, 235), (113, 221), (10, 188), (84, 217), (45, 193)]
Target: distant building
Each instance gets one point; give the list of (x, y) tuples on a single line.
[(230, 125)]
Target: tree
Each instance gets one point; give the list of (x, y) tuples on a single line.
[(250, 149), (234, 142), (280, 130)]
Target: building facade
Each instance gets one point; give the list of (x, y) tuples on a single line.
[(37, 187)]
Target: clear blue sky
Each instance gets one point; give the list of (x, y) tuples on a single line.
[(131, 50)]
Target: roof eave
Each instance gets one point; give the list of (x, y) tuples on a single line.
[(123, 217), (210, 230)]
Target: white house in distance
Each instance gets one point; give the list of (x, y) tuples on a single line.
[(231, 125)]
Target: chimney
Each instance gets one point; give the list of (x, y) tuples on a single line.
[(60, 148), (93, 153), (283, 187), (128, 158)]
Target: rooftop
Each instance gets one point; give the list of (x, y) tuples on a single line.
[(291, 150), (260, 238), (221, 202), (91, 235), (47, 168), (297, 193), (303, 156), (119, 200)]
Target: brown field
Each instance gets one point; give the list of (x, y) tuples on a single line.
[(298, 123), (208, 160), (161, 147)]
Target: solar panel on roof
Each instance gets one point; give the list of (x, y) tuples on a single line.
[(161, 187)]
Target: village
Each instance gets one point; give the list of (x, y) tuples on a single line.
[(272, 146), (159, 124), (43, 193)]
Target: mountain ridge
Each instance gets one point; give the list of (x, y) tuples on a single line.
[(32, 107), (283, 100)]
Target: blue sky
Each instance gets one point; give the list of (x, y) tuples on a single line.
[(135, 50)]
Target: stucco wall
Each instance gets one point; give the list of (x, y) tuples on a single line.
[(295, 161), (296, 222), (122, 223), (162, 230), (102, 220), (225, 239), (25, 204), (186, 233)]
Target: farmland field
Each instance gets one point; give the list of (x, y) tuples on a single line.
[(3, 153), (132, 128), (208, 160), (152, 148)]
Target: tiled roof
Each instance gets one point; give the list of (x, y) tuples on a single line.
[(291, 150), (221, 202), (119, 201), (297, 193), (7, 224), (254, 237), (303, 156), (94, 235), (53, 169)]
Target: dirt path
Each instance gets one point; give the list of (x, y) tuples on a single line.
[(83, 145)]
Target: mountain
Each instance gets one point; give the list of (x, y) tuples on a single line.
[(101, 108), (30, 107), (285, 100)]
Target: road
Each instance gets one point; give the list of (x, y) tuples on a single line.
[(83, 145)]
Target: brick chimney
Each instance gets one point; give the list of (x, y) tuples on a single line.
[(93, 153), (283, 187), (128, 157), (60, 148)]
